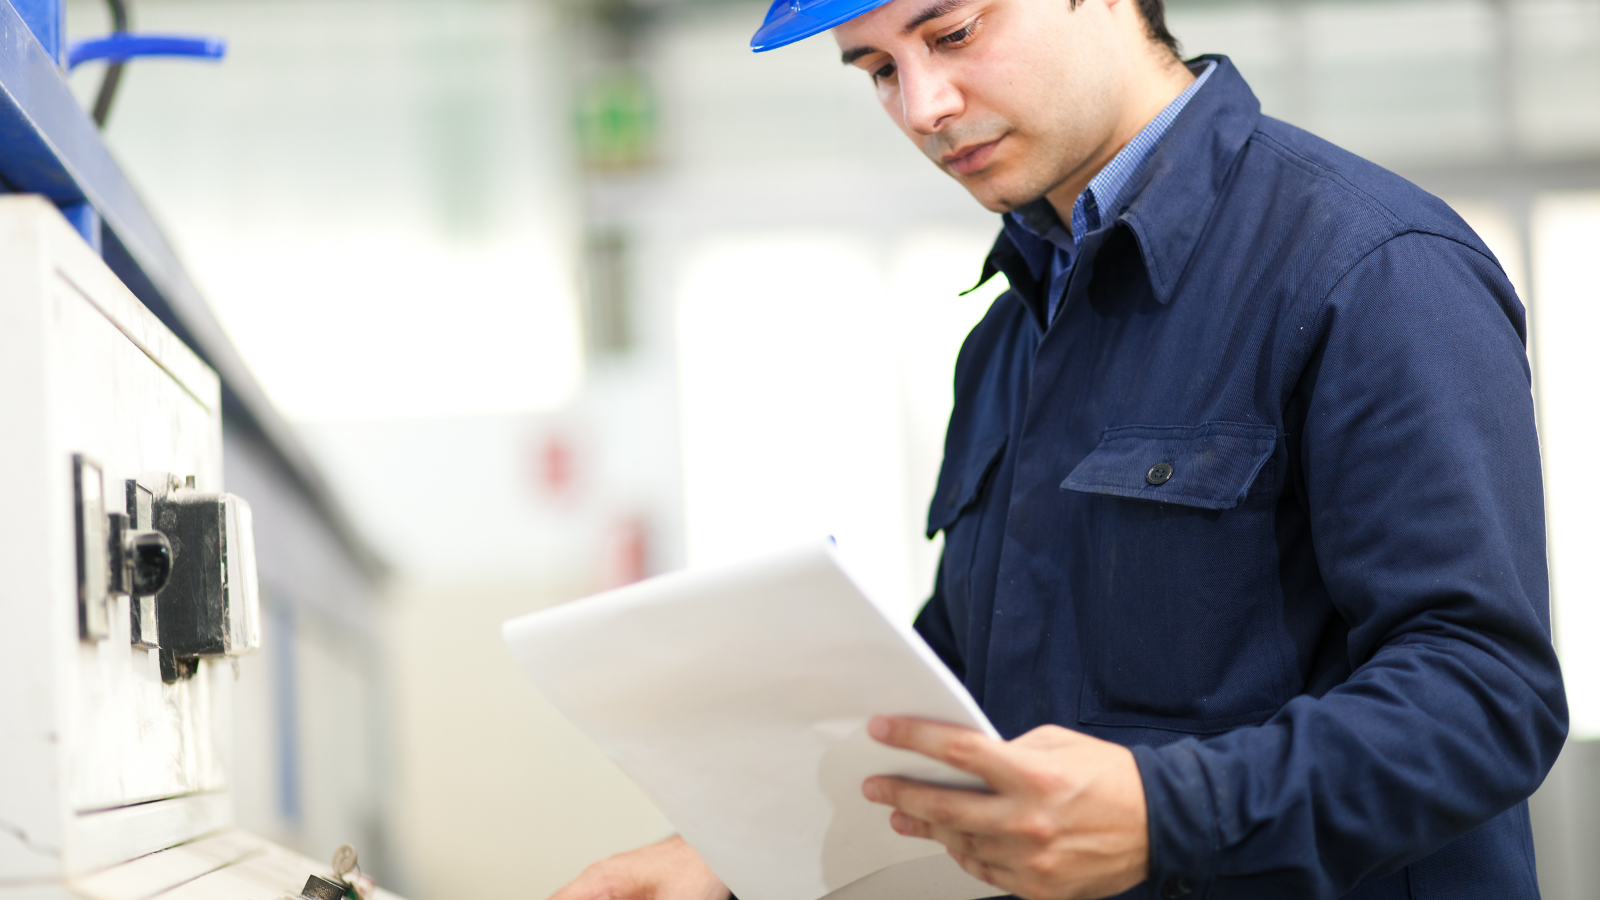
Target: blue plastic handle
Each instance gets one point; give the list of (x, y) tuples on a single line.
[(122, 47)]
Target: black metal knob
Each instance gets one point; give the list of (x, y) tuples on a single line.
[(149, 555)]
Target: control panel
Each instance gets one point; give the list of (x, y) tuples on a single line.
[(183, 560), (130, 589)]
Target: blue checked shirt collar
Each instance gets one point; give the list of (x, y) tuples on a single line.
[(1036, 230)]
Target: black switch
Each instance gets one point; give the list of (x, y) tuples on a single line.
[(209, 606)]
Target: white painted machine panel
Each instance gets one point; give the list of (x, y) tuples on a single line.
[(114, 756), (90, 727)]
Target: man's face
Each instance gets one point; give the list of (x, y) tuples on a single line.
[(1012, 98)]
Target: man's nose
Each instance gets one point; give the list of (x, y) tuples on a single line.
[(929, 101)]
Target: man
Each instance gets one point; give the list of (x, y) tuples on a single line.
[(1241, 496)]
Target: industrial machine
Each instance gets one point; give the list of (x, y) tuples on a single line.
[(130, 587), (130, 582)]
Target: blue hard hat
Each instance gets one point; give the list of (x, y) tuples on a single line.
[(793, 20)]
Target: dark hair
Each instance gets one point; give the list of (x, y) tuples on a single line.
[(1155, 21)]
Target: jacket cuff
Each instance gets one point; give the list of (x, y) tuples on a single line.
[(1182, 820)]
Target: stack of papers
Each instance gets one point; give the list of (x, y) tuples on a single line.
[(738, 699)]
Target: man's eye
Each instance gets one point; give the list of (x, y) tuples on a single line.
[(885, 71), (958, 37)]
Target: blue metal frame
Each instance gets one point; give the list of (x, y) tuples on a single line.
[(48, 21), (49, 145)]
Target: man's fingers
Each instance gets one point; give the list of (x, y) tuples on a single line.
[(963, 842), (941, 806), (982, 869), (910, 826), (996, 850), (591, 885), (963, 748), (666, 870), (978, 854)]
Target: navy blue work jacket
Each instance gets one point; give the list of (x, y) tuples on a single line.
[(1263, 503)]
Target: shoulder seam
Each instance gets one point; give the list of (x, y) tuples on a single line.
[(1402, 227), (1334, 285), (1322, 171)]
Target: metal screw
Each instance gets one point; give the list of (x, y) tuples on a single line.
[(344, 860)]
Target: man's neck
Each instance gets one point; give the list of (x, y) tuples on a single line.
[(1150, 93)]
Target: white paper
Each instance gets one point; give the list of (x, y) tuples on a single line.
[(738, 698)]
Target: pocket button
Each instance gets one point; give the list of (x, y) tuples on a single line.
[(1159, 474)]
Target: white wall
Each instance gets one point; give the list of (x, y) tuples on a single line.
[(394, 172), (499, 796), (1566, 317)]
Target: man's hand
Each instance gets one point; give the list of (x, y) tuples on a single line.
[(1066, 820), (666, 870)]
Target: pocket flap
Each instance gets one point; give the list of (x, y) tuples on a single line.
[(961, 479), (1209, 466)]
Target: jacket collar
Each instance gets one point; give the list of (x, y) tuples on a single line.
[(1173, 199)]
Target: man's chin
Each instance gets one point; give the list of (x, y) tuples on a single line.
[(991, 191), (990, 198)]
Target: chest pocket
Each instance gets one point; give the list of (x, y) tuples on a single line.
[(961, 482), (957, 510), (1179, 612), (1207, 467)]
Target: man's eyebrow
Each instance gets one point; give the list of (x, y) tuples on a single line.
[(939, 8), (928, 14), (855, 53)]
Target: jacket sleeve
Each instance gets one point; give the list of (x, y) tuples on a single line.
[(1420, 474)]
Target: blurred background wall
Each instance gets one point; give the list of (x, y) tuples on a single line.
[(563, 294)]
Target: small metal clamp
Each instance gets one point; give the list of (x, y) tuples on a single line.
[(319, 888), (343, 884)]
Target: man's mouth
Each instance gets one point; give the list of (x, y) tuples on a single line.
[(971, 158)]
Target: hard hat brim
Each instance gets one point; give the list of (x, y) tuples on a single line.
[(787, 21)]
